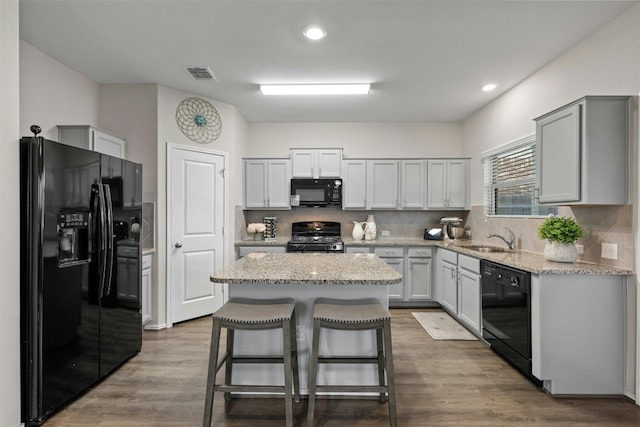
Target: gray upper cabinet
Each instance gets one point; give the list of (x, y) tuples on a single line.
[(316, 163), (267, 184), (92, 138), (447, 184), (582, 152), (354, 184)]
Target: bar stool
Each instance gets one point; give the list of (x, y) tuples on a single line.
[(353, 315), (249, 314)]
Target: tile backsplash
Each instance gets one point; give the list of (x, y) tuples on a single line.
[(601, 224), (148, 225)]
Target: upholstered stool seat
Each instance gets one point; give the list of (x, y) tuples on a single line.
[(353, 315), (249, 314)]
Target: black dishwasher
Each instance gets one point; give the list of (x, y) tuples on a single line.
[(506, 314)]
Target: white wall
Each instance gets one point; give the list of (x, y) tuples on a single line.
[(131, 112), (359, 140), (9, 215), (53, 94)]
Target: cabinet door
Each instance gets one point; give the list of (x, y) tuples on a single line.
[(457, 184), (382, 184), (106, 143), (436, 184), (419, 278), (449, 287), (469, 303), (558, 156), (354, 184), (146, 288), (412, 183), (357, 250), (303, 164), (255, 184), (396, 292), (279, 184), (329, 162)]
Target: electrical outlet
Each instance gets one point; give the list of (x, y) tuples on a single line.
[(385, 233), (580, 249), (301, 333), (609, 251)]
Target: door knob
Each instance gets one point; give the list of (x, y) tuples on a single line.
[(178, 245)]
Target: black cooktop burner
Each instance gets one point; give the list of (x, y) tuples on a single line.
[(315, 236)]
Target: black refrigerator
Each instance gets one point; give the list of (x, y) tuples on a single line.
[(80, 301)]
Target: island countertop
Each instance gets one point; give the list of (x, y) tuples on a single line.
[(308, 269)]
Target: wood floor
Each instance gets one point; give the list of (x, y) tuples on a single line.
[(439, 383)]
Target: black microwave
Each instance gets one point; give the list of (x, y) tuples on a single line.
[(316, 192)]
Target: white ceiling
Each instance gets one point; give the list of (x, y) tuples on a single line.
[(426, 60)]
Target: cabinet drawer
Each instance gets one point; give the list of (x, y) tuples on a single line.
[(469, 263), (357, 250), (449, 256), (388, 252), (146, 261), (128, 251), (246, 250), (420, 252)]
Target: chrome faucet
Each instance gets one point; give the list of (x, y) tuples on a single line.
[(511, 242)]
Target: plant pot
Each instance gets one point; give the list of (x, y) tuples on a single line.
[(560, 252)]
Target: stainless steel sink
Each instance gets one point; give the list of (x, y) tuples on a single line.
[(483, 248)]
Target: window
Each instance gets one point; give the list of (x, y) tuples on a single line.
[(510, 180)]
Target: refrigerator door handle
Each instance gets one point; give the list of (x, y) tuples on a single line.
[(102, 239), (108, 239)]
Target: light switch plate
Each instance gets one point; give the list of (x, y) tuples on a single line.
[(385, 233), (609, 251)]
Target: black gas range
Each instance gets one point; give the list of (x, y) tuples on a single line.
[(315, 236)]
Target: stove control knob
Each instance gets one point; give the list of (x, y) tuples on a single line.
[(513, 281)]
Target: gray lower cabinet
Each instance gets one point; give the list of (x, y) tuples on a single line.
[(448, 266), (394, 256), (460, 294), (146, 286), (415, 266), (578, 333), (469, 293)]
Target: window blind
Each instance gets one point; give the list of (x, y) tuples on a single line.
[(510, 179)]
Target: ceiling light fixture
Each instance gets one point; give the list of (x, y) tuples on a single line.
[(314, 32), (489, 87), (316, 89)]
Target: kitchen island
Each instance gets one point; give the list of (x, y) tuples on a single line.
[(306, 277)]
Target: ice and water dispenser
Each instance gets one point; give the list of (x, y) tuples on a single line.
[(74, 239)]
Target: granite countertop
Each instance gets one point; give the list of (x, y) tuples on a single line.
[(529, 261), (308, 269)]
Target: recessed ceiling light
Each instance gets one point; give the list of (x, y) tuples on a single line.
[(314, 32), (489, 87), (316, 89)]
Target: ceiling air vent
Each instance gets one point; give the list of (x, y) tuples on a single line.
[(201, 73)]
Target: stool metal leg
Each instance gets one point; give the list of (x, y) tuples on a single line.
[(211, 376), (228, 367), (288, 392), (390, 375), (294, 358), (313, 371), (381, 366)]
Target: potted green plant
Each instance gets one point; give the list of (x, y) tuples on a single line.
[(561, 233)]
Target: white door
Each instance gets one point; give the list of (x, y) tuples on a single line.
[(196, 203)]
